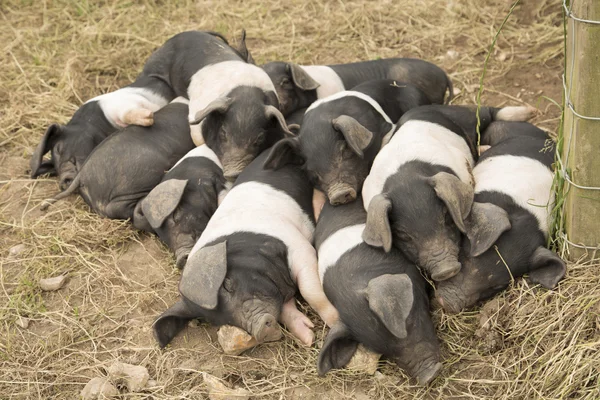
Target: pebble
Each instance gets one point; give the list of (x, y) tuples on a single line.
[(22, 322), (452, 55), (16, 250), (52, 284), (99, 388), (364, 360), (234, 340), (135, 377)]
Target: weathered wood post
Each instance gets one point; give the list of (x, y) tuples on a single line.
[(581, 146)]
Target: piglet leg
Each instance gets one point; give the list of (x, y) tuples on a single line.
[(296, 322), (318, 202), (138, 116), (196, 132), (305, 270)]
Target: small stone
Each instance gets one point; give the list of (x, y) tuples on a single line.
[(379, 376), (502, 56), (194, 323), (151, 383), (539, 76), (218, 391), (16, 250), (52, 284), (452, 55), (456, 91), (516, 84), (135, 377), (99, 388), (364, 360), (472, 88), (488, 311), (234, 340), (22, 322)]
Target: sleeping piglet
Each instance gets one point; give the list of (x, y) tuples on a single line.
[(341, 135), (419, 192), (515, 177), (381, 298), (299, 86), (251, 259), (126, 166), (179, 208)]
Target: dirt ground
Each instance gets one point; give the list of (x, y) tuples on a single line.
[(527, 343)]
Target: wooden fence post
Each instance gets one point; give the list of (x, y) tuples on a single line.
[(581, 146)]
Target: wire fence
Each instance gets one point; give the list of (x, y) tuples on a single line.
[(567, 86)]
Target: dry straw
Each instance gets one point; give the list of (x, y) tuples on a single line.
[(532, 343)]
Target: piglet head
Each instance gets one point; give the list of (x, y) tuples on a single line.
[(496, 251), (210, 290), (396, 323), (295, 87), (240, 126)]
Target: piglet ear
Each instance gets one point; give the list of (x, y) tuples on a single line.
[(357, 136), (243, 49), (162, 201), (391, 299), (301, 78), (219, 105), (171, 322), (456, 195), (285, 151), (378, 232), (547, 268), (273, 113), (38, 166), (204, 274), (338, 349), (485, 224)]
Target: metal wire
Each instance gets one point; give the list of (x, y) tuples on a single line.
[(569, 104)]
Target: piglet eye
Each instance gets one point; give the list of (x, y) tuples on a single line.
[(260, 138), (285, 83)]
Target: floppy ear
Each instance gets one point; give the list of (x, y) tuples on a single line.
[(337, 350), (203, 275), (219, 105), (285, 151), (391, 299), (273, 113), (301, 78), (38, 166), (547, 268), (378, 232), (162, 201), (171, 322), (484, 225), (357, 136), (456, 195)]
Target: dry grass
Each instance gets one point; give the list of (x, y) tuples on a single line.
[(537, 344)]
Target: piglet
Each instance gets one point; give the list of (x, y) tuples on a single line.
[(420, 189), (126, 166), (299, 86), (341, 135), (514, 177), (250, 260), (381, 298), (179, 208)]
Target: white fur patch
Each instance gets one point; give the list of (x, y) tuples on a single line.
[(259, 208), (515, 113), (118, 103), (181, 100), (217, 80), (201, 151), (329, 81), (337, 245), (527, 181), (419, 141)]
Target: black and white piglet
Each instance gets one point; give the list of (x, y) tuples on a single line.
[(126, 166), (250, 260), (341, 135), (514, 176), (381, 298), (179, 208), (299, 86), (419, 192), (233, 107)]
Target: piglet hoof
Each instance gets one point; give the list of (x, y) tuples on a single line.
[(483, 148), (428, 374), (46, 204), (139, 116), (445, 271), (196, 134), (301, 328)]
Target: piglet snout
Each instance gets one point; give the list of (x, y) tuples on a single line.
[(341, 196), (267, 329)]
